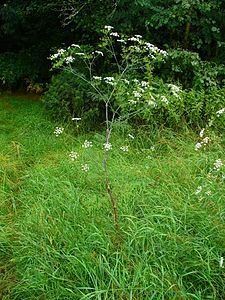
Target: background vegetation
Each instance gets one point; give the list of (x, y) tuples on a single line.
[(30, 29)]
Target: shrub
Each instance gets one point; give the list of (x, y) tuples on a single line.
[(188, 69), (202, 106), (16, 69), (68, 97)]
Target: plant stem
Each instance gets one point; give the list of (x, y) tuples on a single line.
[(113, 201)]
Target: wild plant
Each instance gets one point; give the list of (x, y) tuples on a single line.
[(128, 90), (125, 92)]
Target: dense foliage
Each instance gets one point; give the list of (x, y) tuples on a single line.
[(133, 89), (34, 27)]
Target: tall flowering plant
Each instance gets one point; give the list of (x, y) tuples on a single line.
[(122, 93)]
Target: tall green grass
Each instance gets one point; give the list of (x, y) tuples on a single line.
[(58, 238)]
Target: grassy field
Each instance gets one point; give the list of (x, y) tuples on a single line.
[(57, 235)]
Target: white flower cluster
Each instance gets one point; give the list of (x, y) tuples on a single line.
[(59, 53), (164, 99), (108, 27), (136, 81), (200, 190), (175, 90), (85, 168), (134, 39), (107, 146), (124, 148), (87, 144), (204, 142), (73, 155), (144, 84), (220, 112), (69, 59), (198, 146), (137, 94), (132, 101), (217, 164), (109, 80), (201, 134), (147, 46), (141, 86), (58, 131), (116, 34), (155, 50)]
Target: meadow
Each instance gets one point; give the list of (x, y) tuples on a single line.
[(57, 234)]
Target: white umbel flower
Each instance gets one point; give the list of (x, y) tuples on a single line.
[(220, 112), (58, 131), (198, 146), (218, 164), (108, 27), (85, 167), (107, 146), (124, 148), (87, 144), (73, 155)]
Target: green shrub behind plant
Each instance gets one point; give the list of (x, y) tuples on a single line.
[(191, 71), (69, 97), (19, 69), (203, 106)]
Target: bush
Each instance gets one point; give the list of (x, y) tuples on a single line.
[(68, 97), (200, 107), (17, 69), (188, 69)]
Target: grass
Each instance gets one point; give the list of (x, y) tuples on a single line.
[(57, 236)]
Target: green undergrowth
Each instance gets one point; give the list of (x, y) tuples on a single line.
[(57, 235)]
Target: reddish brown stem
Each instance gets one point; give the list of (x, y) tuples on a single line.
[(113, 201)]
